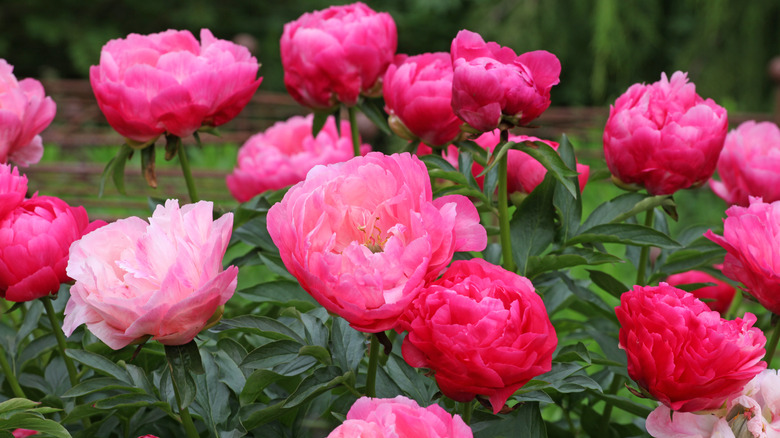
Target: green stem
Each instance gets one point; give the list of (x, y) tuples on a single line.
[(605, 416), (184, 413), (772, 345), (645, 254), (10, 376), (467, 409), (185, 168), (373, 362), (503, 211), (353, 126)]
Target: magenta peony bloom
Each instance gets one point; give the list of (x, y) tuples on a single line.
[(751, 237), (491, 84), (362, 237), (754, 413), (684, 354), (482, 330), (22, 433), (13, 188), (749, 164), (25, 111), (399, 417), (337, 54), (285, 152), (34, 242), (720, 295), (418, 98), (162, 279), (663, 136), (169, 82)]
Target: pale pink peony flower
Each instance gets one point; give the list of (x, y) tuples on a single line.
[(524, 172), (169, 82), (13, 188), (34, 242), (337, 54), (163, 278), (481, 329), (663, 136), (684, 354), (749, 164), (362, 237), (751, 238), (25, 111), (720, 295), (418, 98), (284, 153), (399, 417), (491, 84), (754, 413)]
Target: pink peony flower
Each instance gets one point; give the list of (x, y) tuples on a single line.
[(149, 84), (362, 237), (34, 242), (524, 172), (22, 433), (482, 330), (749, 164), (491, 84), (285, 152), (751, 237), (754, 413), (399, 417), (25, 111), (13, 188), (720, 295), (163, 279), (337, 54), (663, 136), (684, 354), (418, 96)]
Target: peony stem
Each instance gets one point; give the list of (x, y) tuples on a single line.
[(184, 413), (503, 208), (772, 345), (10, 377), (353, 126), (468, 408), (185, 168), (605, 416), (373, 362), (644, 255)]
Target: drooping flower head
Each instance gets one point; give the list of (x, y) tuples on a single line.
[(363, 236), (25, 111), (337, 54), (663, 136), (170, 82)]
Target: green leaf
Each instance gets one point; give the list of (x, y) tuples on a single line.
[(261, 325), (256, 384), (17, 404), (320, 353), (31, 318), (34, 422), (99, 384), (465, 162), (532, 227), (608, 283), (348, 345), (118, 171), (272, 354), (435, 162), (553, 162), (574, 257), (689, 259), (128, 400), (629, 234), (375, 114), (281, 293), (571, 353), (320, 118), (212, 399), (253, 416), (100, 363), (569, 207), (410, 380), (526, 421), (625, 404), (614, 208), (321, 380), (183, 361), (255, 232)]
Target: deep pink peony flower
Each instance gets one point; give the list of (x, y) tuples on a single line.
[(418, 98), (684, 354), (749, 164), (34, 242), (399, 417), (149, 84), (285, 152), (754, 413), (22, 433), (751, 237), (524, 172), (362, 237), (337, 54), (162, 279), (491, 84), (663, 136), (13, 188), (482, 329), (721, 294), (25, 111)]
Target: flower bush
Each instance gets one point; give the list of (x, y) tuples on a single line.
[(388, 294)]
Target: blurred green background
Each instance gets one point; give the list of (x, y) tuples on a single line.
[(604, 45)]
